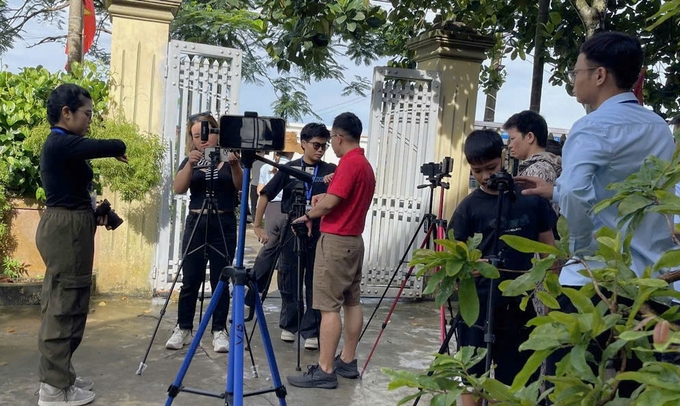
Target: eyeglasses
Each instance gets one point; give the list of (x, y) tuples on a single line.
[(194, 117), (571, 74), (88, 113), (317, 145)]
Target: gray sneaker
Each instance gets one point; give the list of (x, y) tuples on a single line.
[(71, 396), (220, 341), (178, 339), (346, 369), (315, 377), (83, 383)]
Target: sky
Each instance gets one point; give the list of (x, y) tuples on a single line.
[(559, 109)]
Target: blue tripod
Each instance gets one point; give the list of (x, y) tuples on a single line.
[(233, 394)]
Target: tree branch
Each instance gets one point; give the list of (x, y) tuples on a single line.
[(47, 40), (25, 19)]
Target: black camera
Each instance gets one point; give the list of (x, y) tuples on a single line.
[(501, 181), (252, 133), (104, 209), (432, 169)]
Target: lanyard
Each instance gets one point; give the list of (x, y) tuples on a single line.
[(309, 187), (629, 101)]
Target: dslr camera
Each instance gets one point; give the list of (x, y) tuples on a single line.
[(104, 209)]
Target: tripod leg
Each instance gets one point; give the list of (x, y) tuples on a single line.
[(269, 351), (394, 305), (176, 386), (443, 348), (396, 270), (142, 365), (299, 306)]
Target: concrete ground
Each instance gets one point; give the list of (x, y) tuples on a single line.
[(119, 330)]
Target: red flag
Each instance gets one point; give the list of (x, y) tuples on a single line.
[(637, 88), (89, 25)]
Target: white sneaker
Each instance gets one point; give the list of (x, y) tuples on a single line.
[(312, 343), (71, 396), (179, 339), (220, 341), (287, 336), (83, 383)]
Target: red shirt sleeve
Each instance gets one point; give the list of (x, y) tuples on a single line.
[(342, 182)]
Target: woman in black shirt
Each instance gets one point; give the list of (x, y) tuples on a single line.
[(65, 239), (194, 174)]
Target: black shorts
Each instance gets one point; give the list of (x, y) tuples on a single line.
[(510, 331)]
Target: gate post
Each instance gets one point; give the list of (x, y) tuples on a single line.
[(457, 54), (139, 43)]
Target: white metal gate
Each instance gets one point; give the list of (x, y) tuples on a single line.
[(199, 78), (402, 134)]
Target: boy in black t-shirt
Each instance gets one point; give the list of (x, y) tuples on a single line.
[(526, 216)]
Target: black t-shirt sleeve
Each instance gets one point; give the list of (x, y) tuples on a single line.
[(183, 164), (546, 219), (275, 186), (461, 222), (88, 148)]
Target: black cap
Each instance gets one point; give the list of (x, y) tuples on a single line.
[(675, 121)]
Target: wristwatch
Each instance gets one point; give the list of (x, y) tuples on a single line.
[(307, 215)]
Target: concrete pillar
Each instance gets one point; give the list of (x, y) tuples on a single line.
[(139, 43), (457, 53)]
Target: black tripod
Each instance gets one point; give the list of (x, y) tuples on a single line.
[(435, 175), (208, 208), (234, 388), (504, 184), (300, 247)]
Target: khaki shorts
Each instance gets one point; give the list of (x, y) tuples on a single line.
[(337, 272)]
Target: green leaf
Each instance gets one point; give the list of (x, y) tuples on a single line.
[(670, 259), (487, 270), (547, 299), (524, 302), (532, 364), (634, 335), (474, 241), (582, 303), (469, 301), (578, 362), (632, 204), (552, 284), (528, 246)]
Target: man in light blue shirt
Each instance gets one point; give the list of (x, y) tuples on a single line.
[(604, 147)]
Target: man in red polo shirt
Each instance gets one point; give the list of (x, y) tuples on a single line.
[(339, 256)]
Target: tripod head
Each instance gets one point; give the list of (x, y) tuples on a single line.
[(435, 172), (503, 182)]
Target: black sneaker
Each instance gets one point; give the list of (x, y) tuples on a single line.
[(346, 369), (315, 377)]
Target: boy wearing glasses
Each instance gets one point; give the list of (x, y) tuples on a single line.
[(314, 140)]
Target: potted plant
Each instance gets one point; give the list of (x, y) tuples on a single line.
[(16, 286)]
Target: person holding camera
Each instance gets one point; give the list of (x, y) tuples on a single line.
[(198, 174), (337, 279), (65, 240), (314, 139), (526, 216)]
